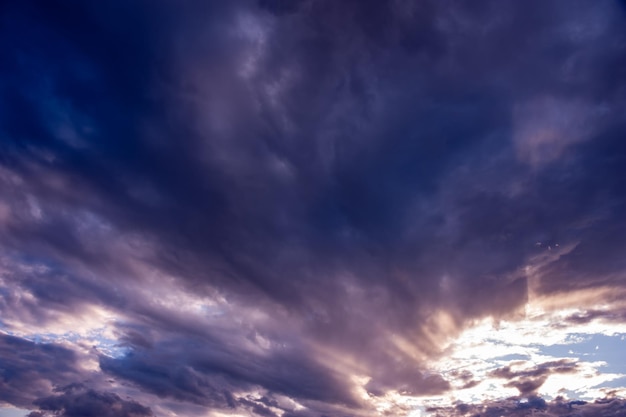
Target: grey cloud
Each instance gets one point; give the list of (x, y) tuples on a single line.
[(528, 381), (203, 372), (597, 315), (355, 170), (558, 407), (527, 386), (560, 366), (408, 381), (29, 369), (81, 403)]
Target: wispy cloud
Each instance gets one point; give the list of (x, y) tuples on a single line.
[(310, 207)]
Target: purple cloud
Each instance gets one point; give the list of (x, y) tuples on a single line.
[(290, 208)]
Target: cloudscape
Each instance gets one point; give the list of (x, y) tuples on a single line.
[(312, 208)]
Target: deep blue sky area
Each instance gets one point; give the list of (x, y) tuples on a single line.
[(307, 208)]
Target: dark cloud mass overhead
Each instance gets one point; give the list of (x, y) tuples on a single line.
[(305, 208)]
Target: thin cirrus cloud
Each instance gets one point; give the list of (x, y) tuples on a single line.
[(312, 208)]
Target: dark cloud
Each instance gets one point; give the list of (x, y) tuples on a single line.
[(354, 182), (560, 367), (558, 407), (203, 372), (596, 315), (51, 378), (29, 369), (528, 381), (77, 403)]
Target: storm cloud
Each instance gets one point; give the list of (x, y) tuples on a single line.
[(295, 207)]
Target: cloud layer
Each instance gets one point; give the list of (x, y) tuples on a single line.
[(294, 208)]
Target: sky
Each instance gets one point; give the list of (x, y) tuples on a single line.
[(312, 208)]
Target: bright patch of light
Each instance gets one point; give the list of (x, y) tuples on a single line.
[(487, 346)]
